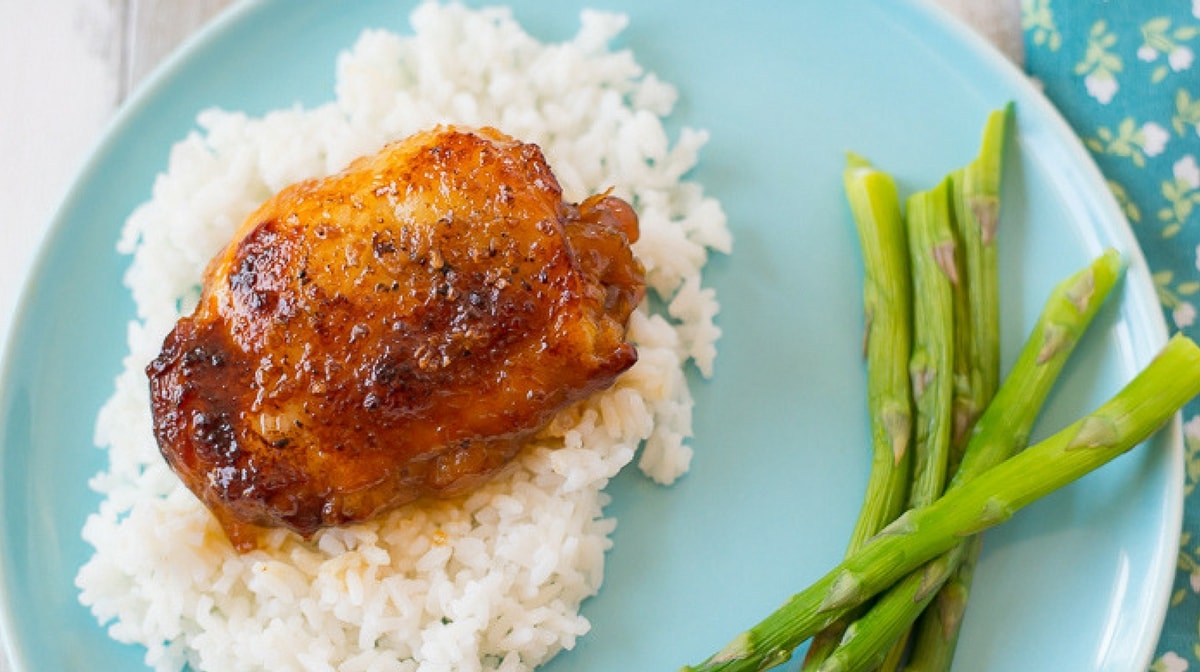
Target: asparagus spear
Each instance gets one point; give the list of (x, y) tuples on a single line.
[(975, 194), (935, 636), (931, 246), (887, 306), (1001, 432), (920, 535), (931, 250), (975, 203), (877, 638), (968, 376), (977, 208)]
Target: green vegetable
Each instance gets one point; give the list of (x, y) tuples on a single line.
[(887, 307), (1000, 433), (956, 333), (976, 194), (931, 246), (976, 199), (920, 535)]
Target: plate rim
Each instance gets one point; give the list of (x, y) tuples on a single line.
[(1137, 283), (1137, 277)]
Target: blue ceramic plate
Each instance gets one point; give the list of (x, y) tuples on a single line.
[(1076, 582)]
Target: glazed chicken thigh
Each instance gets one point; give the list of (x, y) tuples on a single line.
[(393, 332)]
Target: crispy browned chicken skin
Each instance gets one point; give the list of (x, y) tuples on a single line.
[(392, 332)]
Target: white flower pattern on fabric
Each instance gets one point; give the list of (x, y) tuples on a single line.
[(1102, 87), (1154, 138), (1162, 35), (1171, 662), (1191, 429), (1128, 139), (1184, 315), (1180, 58), (1100, 63), (1187, 172)]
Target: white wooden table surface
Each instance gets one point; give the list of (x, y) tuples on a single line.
[(66, 65)]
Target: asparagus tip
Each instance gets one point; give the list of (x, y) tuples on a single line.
[(857, 162)]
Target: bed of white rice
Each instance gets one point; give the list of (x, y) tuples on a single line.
[(494, 582)]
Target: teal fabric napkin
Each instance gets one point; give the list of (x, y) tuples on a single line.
[(1125, 76)]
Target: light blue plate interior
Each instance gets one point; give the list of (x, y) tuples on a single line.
[(1076, 582)]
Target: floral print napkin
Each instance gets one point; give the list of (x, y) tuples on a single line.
[(1125, 76)]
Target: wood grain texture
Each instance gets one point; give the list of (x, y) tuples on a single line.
[(153, 28), (65, 67), (997, 21)]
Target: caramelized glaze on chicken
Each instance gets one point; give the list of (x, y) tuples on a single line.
[(392, 332)]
